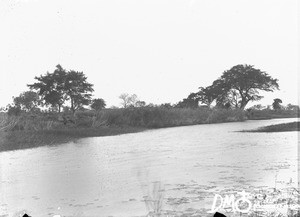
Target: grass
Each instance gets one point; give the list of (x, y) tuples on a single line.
[(158, 117), (41, 129), (15, 140), (30, 130), (293, 126), (271, 114)]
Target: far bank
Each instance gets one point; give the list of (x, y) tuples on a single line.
[(30, 130)]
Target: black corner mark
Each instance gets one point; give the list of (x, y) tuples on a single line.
[(217, 214), (25, 215)]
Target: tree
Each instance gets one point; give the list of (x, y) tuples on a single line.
[(276, 104), (98, 104), (14, 110), (125, 100), (128, 100), (77, 89), (257, 107), (206, 95), (292, 107), (140, 103), (27, 100), (191, 101), (166, 105), (238, 86), (51, 87), (61, 85)]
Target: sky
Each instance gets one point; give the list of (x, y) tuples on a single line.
[(161, 50)]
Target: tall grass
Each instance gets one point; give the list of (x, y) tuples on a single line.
[(39, 129), (158, 117), (145, 117), (269, 114), (28, 122)]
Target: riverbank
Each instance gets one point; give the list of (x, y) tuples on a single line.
[(31, 130), (293, 126), (15, 140)]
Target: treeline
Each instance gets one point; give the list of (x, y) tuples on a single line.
[(63, 98), (54, 90)]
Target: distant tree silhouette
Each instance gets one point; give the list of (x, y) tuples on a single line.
[(237, 86), (128, 100), (61, 85), (276, 104), (98, 104)]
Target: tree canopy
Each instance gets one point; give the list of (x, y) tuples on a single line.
[(276, 104), (98, 104), (237, 86), (60, 86), (129, 100), (27, 100)]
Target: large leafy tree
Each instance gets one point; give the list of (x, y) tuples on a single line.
[(61, 85), (51, 87), (238, 86), (78, 90)]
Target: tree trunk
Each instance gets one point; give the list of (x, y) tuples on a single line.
[(72, 106), (243, 104)]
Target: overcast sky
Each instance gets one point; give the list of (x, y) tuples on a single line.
[(160, 50)]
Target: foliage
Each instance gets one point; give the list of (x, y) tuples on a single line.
[(166, 105), (190, 102), (98, 104), (130, 101), (255, 114), (157, 117), (276, 104), (237, 86), (27, 101), (77, 89), (293, 126), (61, 85), (292, 107), (14, 110), (140, 103), (51, 87), (207, 95), (257, 107)]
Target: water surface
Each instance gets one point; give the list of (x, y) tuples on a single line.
[(112, 176)]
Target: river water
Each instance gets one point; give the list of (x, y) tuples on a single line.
[(119, 175)]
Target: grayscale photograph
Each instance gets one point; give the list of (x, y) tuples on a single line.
[(149, 108)]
